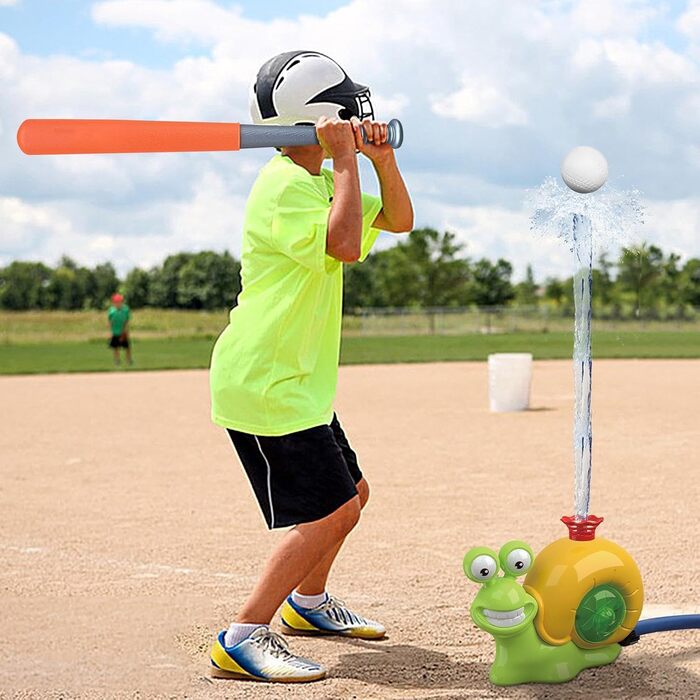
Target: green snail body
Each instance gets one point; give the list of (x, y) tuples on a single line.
[(508, 612)]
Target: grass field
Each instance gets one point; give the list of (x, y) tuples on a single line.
[(49, 327), (184, 353)]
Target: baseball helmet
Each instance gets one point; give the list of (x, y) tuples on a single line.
[(298, 87)]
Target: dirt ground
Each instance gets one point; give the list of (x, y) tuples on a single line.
[(128, 534)]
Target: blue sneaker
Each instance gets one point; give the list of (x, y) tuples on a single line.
[(263, 656), (331, 617)]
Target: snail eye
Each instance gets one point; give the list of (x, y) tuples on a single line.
[(483, 568), (518, 562)]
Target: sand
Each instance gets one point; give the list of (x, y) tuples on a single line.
[(129, 536)]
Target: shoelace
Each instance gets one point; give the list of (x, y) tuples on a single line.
[(338, 611), (270, 641), (274, 643)]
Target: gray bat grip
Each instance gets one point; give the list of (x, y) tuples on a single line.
[(261, 136)]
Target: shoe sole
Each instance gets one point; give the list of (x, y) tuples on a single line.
[(232, 675), (293, 632)]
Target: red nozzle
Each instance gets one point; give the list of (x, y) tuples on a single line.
[(582, 530)]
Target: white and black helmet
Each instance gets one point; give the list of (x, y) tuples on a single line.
[(298, 87)]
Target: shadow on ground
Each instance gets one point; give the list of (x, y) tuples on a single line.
[(411, 667), (407, 666)]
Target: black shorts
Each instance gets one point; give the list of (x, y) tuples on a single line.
[(299, 477), (118, 341)]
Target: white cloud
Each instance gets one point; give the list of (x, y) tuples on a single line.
[(460, 76), (479, 102), (689, 22), (612, 107), (171, 20), (9, 53), (24, 226), (612, 16), (674, 225), (8, 3), (211, 215), (635, 62)]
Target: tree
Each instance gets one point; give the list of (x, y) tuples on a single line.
[(554, 290), (105, 283), (490, 284), (208, 281), (669, 282), (360, 284), (603, 283), (23, 286), (400, 278), (424, 269), (639, 271), (164, 281), (446, 273), (67, 286), (136, 288), (690, 282), (526, 291)]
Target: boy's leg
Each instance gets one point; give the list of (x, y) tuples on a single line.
[(300, 551), (315, 581)]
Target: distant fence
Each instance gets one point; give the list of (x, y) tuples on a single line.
[(486, 320)]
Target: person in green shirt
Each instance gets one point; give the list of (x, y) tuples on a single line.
[(274, 368), (118, 317)]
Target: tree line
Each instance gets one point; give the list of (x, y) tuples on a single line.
[(425, 269)]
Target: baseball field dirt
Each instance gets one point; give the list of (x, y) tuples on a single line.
[(129, 535)]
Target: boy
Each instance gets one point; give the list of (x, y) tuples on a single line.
[(274, 368), (118, 318)]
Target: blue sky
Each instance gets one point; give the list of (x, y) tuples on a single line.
[(492, 94)]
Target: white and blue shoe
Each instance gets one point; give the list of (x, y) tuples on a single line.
[(330, 617), (262, 656)]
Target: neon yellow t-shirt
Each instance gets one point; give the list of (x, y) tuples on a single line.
[(274, 368)]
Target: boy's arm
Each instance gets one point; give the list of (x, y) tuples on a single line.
[(344, 236), (397, 211)]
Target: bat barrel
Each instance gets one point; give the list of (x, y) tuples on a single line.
[(64, 136)]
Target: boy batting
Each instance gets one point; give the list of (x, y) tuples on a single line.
[(274, 368)]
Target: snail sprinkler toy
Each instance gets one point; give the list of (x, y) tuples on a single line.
[(582, 596)]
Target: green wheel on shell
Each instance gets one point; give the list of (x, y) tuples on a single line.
[(600, 613)]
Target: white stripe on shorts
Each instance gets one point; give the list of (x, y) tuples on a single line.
[(269, 487)]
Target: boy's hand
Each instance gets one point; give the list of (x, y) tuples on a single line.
[(376, 147), (336, 137)]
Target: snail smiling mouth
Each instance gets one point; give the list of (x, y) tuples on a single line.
[(504, 618)]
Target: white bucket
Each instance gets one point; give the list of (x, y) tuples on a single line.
[(510, 375)]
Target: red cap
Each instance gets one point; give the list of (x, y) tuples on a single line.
[(117, 297), (582, 530)]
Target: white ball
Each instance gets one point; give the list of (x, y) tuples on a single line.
[(584, 169)]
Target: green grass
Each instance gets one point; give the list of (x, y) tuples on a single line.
[(187, 353), (43, 327), (543, 346)]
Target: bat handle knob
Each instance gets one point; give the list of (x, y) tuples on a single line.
[(395, 133)]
